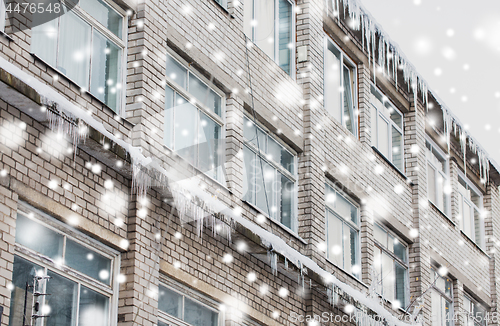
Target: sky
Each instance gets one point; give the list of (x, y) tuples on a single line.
[(455, 47)]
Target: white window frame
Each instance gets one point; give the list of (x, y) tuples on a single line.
[(78, 277), (448, 315), (445, 175), (473, 206), (192, 295), (344, 61), (3, 16), (390, 123), (350, 224), (404, 264), (276, 33), (470, 317), (120, 42), (293, 177), (220, 120)]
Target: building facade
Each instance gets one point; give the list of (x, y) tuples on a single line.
[(233, 163)]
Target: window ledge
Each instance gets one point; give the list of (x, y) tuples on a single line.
[(7, 36), (280, 225), (394, 166), (350, 275), (475, 244), (441, 212), (104, 106)]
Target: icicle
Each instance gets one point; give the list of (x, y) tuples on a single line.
[(273, 259), (463, 142), (286, 263)]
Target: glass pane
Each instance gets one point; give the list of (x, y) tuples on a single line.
[(330, 196), (287, 161), (383, 136), (29, 233), (460, 216), (273, 150), (374, 126), (186, 119), (287, 196), (94, 308), (448, 317), (169, 302), (88, 261), (160, 323), (249, 130), (350, 248), (23, 272), (209, 145), (377, 263), (401, 285), (332, 82), (247, 18), (467, 220), (388, 277), (437, 317), (271, 188), (104, 14), (73, 58), (44, 40), (345, 209), (431, 183), (264, 29), (62, 301), (348, 111), (204, 94), (106, 66), (439, 192), (399, 250), (396, 117), (176, 71), (397, 148), (475, 198), (380, 235), (169, 116), (478, 228), (249, 180), (448, 287), (198, 315), (334, 239), (285, 35)]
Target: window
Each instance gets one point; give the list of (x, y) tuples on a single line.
[(270, 175), (476, 313), (391, 263), (470, 203), (438, 186), (179, 305), (387, 128), (340, 87), (87, 45), (81, 275), (342, 231), (223, 3), (441, 299), (193, 119), (269, 24)]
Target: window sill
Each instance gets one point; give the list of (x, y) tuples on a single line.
[(473, 243), (104, 106), (392, 164), (280, 225), (7, 36), (350, 275), (198, 171), (441, 212)]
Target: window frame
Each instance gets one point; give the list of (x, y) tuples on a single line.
[(390, 124), (446, 176), (474, 302), (219, 120), (191, 294), (3, 16), (111, 291), (395, 259), (473, 206), (279, 169), (252, 37), (119, 42), (350, 65), (350, 224), (443, 296)]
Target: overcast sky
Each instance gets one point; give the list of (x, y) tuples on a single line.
[(455, 46)]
